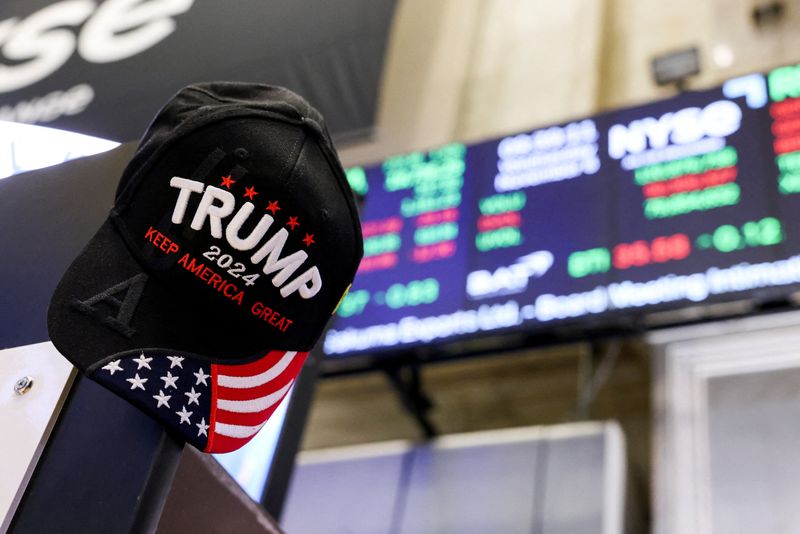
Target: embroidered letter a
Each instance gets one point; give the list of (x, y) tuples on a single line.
[(132, 288)]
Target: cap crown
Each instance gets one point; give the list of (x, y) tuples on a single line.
[(236, 207)]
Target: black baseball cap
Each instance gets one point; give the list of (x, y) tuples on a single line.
[(233, 238)]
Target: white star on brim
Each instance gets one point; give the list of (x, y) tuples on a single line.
[(175, 361), (163, 400), (202, 428), (201, 377), (169, 380), (136, 382), (143, 362), (184, 415), (193, 396), (112, 367)]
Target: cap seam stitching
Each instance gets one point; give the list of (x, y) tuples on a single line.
[(179, 133), (348, 195), (287, 179)]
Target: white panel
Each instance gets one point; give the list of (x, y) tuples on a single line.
[(584, 485), (474, 489), (753, 437), (564, 479), (348, 490), (26, 420), (726, 406)]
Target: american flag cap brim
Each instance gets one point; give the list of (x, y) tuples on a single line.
[(216, 407)]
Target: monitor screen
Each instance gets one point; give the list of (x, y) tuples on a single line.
[(689, 200)]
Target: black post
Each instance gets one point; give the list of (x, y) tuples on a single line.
[(406, 381), (107, 468)]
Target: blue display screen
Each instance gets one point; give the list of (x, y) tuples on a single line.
[(688, 200)]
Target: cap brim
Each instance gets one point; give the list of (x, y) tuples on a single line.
[(215, 407)]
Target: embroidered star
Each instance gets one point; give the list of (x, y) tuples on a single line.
[(143, 362), (136, 382), (175, 361), (227, 182), (201, 377), (272, 206), (193, 396), (309, 240), (292, 222), (169, 380), (250, 192), (203, 427), (163, 400), (112, 367), (184, 415)]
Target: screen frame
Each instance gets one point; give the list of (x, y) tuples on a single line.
[(610, 323)]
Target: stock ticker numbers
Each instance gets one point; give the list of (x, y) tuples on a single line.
[(626, 255), (434, 182), (382, 242), (414, 263), (784, 114), (397, 296), (687, 200), (728, 238), (784, 91), (642, 252), (696, 183), (499, 222)]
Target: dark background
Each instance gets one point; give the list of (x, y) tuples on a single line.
[(335, 61)]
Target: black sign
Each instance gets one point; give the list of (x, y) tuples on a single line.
[(690, 200), (675, 67), (105, 67)]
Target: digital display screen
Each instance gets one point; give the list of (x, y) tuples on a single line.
[(688, 200)]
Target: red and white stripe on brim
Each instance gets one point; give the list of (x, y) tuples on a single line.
[(243, 397)]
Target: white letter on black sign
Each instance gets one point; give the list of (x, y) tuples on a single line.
[(124, 28), (37, 45)]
